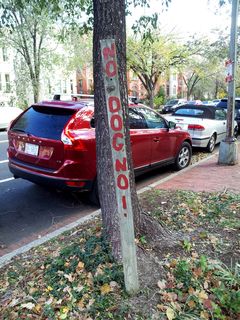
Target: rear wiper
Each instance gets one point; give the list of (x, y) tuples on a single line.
[(21, 130)]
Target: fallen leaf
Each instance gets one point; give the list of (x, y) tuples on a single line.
[(37, 309), (32, 290), (208, 304), (49, 288), (197, 272), (28, 305), (105, 289), (14, 302), (80, 267), (191, 304), (161, 307), (170, 313), (202, 295), (81, 304), (204, 315), (69, 277), (161, 284)]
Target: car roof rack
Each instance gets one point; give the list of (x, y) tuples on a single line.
[(72, 97)]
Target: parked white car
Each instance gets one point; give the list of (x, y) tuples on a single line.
[(7, 114), (205, 124)]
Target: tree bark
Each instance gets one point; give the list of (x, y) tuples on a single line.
[(109, 23)]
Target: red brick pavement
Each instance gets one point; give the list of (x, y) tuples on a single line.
[(208, 176)]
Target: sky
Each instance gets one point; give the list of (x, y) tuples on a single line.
[(188, 17)]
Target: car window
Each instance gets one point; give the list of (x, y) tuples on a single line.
[(220, 114), (172, 102), (43, 121), (153, 119), (136, 120), (190, 112)]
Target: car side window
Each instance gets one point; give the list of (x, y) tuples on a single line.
[(220, 114), (153, 119), (136, 120)]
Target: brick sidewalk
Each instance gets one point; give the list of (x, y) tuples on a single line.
[(207, 175)]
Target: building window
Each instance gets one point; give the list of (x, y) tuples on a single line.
[(4, 54), (174, 90), (59, 86), (7, 83), (71, 86), (64, 86)]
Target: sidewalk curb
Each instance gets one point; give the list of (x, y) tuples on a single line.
[(7, 257)]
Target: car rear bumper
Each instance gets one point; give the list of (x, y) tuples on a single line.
[(200, 142), (45, 179)]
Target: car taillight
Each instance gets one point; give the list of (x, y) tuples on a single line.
[(65, 138), (196, 127), (70, 138)]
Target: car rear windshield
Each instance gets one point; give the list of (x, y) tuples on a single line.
[(198, 112), (44, 122)]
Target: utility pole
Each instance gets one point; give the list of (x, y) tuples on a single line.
[(228, 154)]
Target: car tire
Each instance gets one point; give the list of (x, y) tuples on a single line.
[(235, 132), (93, 194), (184, 156), (211, 143)]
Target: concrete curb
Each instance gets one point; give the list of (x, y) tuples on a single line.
[(7, 257)]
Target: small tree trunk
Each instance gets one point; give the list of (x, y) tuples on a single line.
[(109, 22)]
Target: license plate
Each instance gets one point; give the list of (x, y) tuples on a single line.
[(31, 149)]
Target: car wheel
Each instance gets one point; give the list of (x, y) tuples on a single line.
[(236, 132), (93, 194), (211, 143), (184, 156)]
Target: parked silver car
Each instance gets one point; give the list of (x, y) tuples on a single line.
[(206, 124), (171, 105)]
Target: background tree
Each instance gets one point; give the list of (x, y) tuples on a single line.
[(28, 25), (203, 72), (151, 57)]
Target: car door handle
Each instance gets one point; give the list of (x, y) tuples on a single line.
[(156, 139)]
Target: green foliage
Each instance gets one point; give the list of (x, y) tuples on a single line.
[(202, 285), (183, 273), (159, 99), (29, 27), (150, 57), (187, 245)]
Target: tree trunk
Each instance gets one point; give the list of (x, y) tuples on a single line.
[(109, 23)]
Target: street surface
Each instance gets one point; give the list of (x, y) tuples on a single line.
[(29, 211)]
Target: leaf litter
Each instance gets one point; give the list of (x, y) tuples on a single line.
[(74, 275)]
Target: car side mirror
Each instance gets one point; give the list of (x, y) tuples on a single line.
[(171, 125)]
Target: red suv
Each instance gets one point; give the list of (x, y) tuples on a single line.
[(53, 143)]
